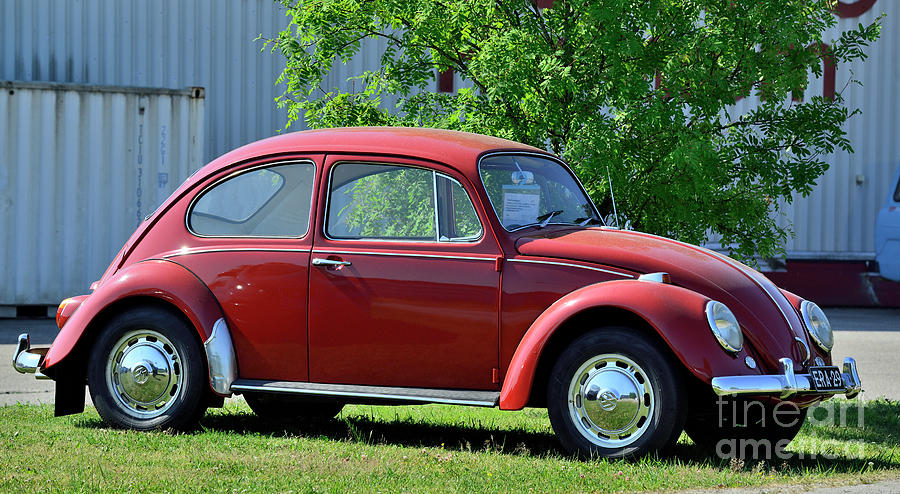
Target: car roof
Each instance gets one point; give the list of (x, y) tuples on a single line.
[(458, 149)]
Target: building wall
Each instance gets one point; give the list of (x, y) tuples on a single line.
[(212, 44), (837, 220)]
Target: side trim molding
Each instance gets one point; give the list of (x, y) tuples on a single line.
[(404, 254), (419, 395), (568, 264), (221, 358), (187, 252)]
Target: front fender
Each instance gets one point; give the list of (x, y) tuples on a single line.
[(676, 314), (161, 279)]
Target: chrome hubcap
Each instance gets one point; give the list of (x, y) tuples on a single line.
[(144, 373), (611, 400)]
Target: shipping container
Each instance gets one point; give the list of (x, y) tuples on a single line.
[(167, 43), (80, 167)]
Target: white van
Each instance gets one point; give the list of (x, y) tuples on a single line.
[(887, 233)]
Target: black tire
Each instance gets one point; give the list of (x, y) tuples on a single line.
[(285, 409), (147, 371), (745, 429), (614, 362)]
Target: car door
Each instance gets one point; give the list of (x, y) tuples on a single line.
[(404, 281)]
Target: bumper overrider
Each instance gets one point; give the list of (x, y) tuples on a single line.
[(28, 360), (788, 384), (218, 347)]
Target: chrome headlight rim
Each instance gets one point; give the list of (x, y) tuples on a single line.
[(731, 346), (808, 312)]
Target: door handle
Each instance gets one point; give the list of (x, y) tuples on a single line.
[(329, 262)]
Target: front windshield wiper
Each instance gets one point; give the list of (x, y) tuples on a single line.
[(585, 221), (546, 217)]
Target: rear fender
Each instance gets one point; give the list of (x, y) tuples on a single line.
[(676, 314), (163, 280)]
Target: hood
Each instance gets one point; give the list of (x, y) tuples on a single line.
[(769, 321)]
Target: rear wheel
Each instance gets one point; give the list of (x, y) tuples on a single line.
[(614, 393), (147, 371), (288, 408)]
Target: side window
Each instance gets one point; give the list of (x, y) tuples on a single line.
[(381, 202), (266, 202), (458, 220), (388, 202)]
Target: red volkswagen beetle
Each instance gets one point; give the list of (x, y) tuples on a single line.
[(400, 266)]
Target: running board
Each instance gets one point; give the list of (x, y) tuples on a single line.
[(422, 395)]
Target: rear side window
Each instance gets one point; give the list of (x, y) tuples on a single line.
[(387, 202), (266, 202)]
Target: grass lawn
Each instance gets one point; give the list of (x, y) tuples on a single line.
[(388, 449)]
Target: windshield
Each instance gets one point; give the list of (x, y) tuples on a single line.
[(528, 190)]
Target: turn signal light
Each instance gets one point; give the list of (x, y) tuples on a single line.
[(66, 308)]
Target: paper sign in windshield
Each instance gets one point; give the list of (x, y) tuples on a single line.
[(521, 204)]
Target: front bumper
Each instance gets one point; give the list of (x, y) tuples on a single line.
[(787, 384), (28, 360)]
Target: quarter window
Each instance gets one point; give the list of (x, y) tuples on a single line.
[(391, 202), (267, 202)]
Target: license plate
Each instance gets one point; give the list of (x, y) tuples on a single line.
[(826, 378)]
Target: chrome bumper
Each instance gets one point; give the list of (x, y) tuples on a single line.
[(787, 384), (28, 360)]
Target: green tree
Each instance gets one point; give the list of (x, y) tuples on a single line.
[(393, 204), (641, 87)]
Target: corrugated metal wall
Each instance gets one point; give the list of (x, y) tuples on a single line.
[(80, 166), (160, 43), (368, 58), (837, 220)]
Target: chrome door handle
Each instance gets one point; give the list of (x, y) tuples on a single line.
[(329, 262)]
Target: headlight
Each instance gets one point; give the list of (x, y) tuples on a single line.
[(724, 326), (817, 325)]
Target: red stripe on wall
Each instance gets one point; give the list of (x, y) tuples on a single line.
[(853, 9), (829, 73)]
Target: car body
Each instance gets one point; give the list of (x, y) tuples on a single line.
[(399, 265), (887, 233)]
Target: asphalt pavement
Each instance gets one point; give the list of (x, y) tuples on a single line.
[(871, 336)]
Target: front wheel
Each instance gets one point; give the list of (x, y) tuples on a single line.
[(147, 372), (614, 393)]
